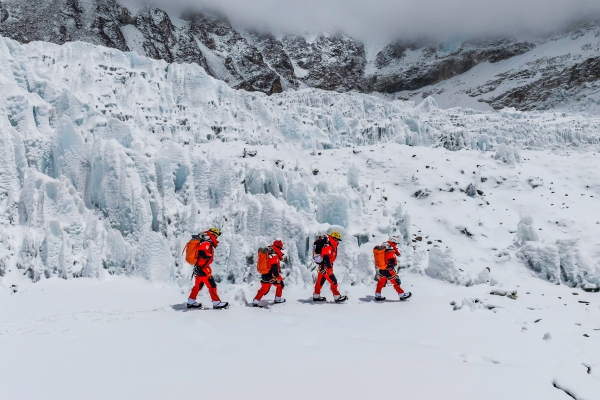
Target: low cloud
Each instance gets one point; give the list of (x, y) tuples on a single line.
[(406, 19)]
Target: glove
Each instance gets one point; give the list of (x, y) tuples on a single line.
[(325, 271)]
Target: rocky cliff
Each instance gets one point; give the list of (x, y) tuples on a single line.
[(332, 61)]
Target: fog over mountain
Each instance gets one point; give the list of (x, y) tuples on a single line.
[(410, 19), (530, 54)]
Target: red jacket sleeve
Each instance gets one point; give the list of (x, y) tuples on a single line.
[(274, 265), (390, 258), (329, 254), (205, 254)]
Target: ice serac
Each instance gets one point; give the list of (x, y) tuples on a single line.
[(442, 266), (564, 262), (153, 259), (526, 230), (12, 171), (576, 266), (116, 190), (543, 259), (53, 218), (69, 155), (56, 251)]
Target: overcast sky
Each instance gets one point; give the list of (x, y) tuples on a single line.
[(366, 19)]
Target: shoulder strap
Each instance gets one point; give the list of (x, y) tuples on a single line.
[(204, 239), (184, 247)]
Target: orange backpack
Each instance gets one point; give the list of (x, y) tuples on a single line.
[(263, 261), (191, 249), (379, 256)]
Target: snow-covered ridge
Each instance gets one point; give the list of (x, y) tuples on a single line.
[(559, 72), (110, 160)]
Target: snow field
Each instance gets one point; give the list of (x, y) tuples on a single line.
[(68, 339)]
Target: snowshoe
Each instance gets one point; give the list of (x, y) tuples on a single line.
[(194, 306), (279, 301), (319, 298), (257, 305), (341, 299), (379, 298), (221, 305), (405, 295)]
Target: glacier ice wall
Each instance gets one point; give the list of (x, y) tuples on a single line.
[(104, 166)]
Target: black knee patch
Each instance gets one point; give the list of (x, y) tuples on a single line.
[(386, 273), (323, 280), (211, 282), (333, 278)]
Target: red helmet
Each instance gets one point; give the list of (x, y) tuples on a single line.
[(279, 244)]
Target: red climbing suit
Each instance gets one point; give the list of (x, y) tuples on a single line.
[(273, 277), (329, 254), (202, 270), (389, 274)]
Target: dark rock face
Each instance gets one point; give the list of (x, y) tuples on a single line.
[(3, 14), (162, 40), (554, 85), (392, 53), (330, 62), (263, 62), (103, 22), (433, 64), (243, 61), (60, 21), (277, 58)]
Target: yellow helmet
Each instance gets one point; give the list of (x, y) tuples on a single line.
[(336, 235), (215, 231)]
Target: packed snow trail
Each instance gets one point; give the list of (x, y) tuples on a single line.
[(70, 340)]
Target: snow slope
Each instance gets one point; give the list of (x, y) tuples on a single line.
[(559, 73), (109, 161)]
